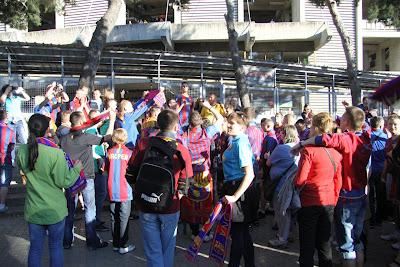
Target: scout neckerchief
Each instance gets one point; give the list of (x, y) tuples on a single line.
[(80, 184), (219, 246)]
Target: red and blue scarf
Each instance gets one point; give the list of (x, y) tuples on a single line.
[(219, 246), (80, 184), (91, 122)]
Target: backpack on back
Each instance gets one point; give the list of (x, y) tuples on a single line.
[(155, 184)]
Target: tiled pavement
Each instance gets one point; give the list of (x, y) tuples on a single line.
[(14, 246)]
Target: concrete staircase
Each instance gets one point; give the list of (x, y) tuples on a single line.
[(16, 196)]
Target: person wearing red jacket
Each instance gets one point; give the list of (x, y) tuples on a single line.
[(355, 147), (319, 178)]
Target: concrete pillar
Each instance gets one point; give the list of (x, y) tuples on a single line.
[(240, 10), (298, 11), (359, 36), (122, 15), (60, 16), (177, 14), (394, 58)]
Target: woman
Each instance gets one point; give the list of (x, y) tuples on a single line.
[(238, 172), (319, 181), (46, 171), (283, 167), (390, 178), (197, 205)]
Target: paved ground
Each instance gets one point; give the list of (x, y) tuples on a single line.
[(14, 246)]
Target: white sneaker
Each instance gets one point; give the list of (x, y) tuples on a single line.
[(396, 246), (277, 242), (127, 249), (391, 237)]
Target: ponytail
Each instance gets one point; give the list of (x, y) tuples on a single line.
[(38, 125), (33, 151)]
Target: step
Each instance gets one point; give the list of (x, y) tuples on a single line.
[(13, 212), (16, 199)]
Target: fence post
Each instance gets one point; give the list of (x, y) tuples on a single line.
[(9, 67), (112, 75)]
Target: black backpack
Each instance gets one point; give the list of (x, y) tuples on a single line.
[(155, 183)]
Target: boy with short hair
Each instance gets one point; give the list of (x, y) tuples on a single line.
[(159, 229), (120, 192), (7, 139), (377, 192)]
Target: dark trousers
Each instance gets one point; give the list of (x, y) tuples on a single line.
[(242, 245), (315, 224), (100, 191), (377, 197), (195, 227), (120, 212)]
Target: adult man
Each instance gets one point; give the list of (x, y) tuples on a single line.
[(159, 229), (79, 147), (355, 147), (96, 102), (7, 141), (80, 102), (12, 97), (207, 114), (185, 101)]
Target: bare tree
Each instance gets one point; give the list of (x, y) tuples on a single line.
[(348, 51), (103, 28), (236, 59)]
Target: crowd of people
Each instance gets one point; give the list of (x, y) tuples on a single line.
[(173, 160)]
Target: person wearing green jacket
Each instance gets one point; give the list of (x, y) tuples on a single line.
[(46, 172)]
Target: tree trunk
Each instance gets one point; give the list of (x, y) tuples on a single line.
[(97, 43), (236, 59), (348, 51)]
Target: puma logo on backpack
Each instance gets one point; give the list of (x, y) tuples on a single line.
[(155, 184)]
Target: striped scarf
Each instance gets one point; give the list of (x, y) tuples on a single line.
[(222, 214)]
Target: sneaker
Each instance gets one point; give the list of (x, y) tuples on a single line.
[(4, 210), (102, 228), (391, 237), (208, 237), (278, 243), (67, 246), (133, 217), (127, 249), (102, 244), (396, 246)]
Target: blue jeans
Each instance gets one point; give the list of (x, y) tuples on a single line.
[(37, 235), (21, 130), (349, 221), (92, 239), (100, 185), (5, 175), (159, 237)]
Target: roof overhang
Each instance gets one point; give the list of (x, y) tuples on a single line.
[(192, 37)]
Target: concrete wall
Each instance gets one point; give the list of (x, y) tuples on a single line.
[(201, 11), (394, 59)]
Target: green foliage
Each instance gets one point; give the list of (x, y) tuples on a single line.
[(19, 13), (386, 11)]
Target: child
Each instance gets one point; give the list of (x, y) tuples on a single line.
[(65, 124), (120, 191)]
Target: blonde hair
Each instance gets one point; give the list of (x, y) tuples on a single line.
[(290, 134), (288, 119), (237, 117), (323, 122), (120, 136)]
